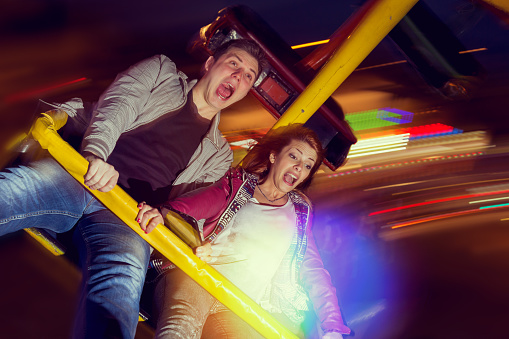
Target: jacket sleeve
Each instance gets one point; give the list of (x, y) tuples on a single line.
[(203, 203), (317, 282), (221, 163), (210, 171), (123, 101)]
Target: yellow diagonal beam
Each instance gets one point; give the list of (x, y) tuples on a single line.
[(162, 239), (378, 22)]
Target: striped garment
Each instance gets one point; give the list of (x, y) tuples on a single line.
[(141, 94)]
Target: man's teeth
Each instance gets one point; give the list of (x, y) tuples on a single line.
[(229, 88)]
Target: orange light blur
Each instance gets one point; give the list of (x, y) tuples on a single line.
[(438, 217), (473, 50), (314, 43)]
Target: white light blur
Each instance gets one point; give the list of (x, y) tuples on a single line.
[(379, 145), (487, 200)]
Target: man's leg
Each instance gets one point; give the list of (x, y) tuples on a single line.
[(114, 262), (180, 306), (40, 194)]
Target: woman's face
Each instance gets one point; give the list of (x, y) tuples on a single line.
[(292, 165)]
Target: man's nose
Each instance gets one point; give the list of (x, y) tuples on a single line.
[(237, 74)]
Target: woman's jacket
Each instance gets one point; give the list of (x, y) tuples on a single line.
[(218, 203)]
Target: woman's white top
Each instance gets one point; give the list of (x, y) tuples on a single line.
[(248, 252)]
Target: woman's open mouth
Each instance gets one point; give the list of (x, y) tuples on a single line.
[(289, 179)]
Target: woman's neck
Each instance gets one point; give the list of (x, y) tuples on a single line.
[(267, 193)]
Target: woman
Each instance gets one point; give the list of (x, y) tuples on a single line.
[(258, 225)]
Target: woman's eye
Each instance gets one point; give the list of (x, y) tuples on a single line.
[(292, 156), (249, 76), (234, 63), (308, 167)]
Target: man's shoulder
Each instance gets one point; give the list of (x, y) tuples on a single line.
[(158, 63)]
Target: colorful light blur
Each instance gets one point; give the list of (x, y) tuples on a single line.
[(379, 145), (377, 118), (403, 163), (439, 201)]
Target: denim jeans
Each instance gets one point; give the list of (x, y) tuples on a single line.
[(185, 310), (113, 257)]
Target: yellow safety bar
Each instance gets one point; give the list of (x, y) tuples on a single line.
[(382, 16), (162, 239)]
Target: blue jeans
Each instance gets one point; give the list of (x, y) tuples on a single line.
[(113, 257)]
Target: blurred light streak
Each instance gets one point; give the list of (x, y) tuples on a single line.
[(487, 200), (473, 50), (368, 119), (453, 185), (506, 219), (378, 145), (419, 132), (376, 152), (499, 187), (436, 202), (381, 141), (438, 217), (369, 313), (401, 163), (25, 95), (493, 206), (247, 143), (395, 185), (432, 130), (314, 43), (382, 65), (395, 115)]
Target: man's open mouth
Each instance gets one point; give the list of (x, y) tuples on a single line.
[(225, 90)]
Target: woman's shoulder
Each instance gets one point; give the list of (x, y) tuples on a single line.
[(299, 197), (235, 173)]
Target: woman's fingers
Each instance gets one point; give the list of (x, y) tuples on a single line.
[(148, 217), (203, 252)]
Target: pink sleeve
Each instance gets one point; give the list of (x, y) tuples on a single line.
[(204, 203)]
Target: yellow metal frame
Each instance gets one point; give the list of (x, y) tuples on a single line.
[(382, 16)]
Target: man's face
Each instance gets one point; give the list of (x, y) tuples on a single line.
[(229, 78)]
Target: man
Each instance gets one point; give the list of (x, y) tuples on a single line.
[(155, 134)]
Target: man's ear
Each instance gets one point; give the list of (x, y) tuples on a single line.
[(209, 63)]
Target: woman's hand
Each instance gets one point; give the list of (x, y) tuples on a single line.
[(148, 217), (332, 335), (203, 252)]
